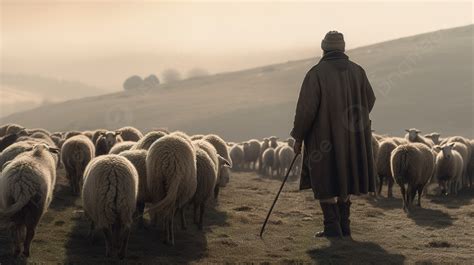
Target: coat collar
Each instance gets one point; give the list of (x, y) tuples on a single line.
[(334, 55)]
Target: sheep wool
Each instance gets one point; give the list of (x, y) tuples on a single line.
[(130, 134), (268, 161), (237, 156), (76, 153), (26, 190), (120, 147), (413, 136), (109, 197), (449, 169), (251, 153), (383, 166), (147, 140)]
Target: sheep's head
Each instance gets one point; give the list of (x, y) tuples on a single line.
[(447, 150), (412, 134), (274, 139), (224, 171), (111, 138), (266, 140), (434, 137)]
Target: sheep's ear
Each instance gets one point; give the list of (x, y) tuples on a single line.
[(451, 144), (224, 162), (54, 150)]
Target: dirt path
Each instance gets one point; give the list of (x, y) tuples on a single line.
[(441, 232)]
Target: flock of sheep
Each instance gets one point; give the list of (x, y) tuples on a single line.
[(117, 173), (121, 174)]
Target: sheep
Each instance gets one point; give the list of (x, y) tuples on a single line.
[(399, 140), (184, 136), (434, 137), (89, 134), (276, 161), (223, 177), (383, 168), (14, 128), (290, 142), (45, 137), (26, 190), (76, 153), (171, 179), (10, 139), (471, 164), (268, 160), (130, 134), (197, 137), (106, 141), (285, 157), (412, 164), (17, 148), (109, 198), (71, 134), (273, 141), (413, 136), (163, 130), (237, 156), (263, 146), (138, 159), (3, 130), (207, 170), (122, 146), (251, 153), (96, 134), (465, 153), (448, 168), (57, 141), (35, 130), (148, 140)]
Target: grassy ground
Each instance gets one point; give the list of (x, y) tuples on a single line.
[(441, 232)]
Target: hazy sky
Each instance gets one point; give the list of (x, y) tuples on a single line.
[(98, 27)]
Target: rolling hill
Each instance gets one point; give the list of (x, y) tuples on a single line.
[(423, 81)]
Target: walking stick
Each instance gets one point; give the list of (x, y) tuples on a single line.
[(278, 195)]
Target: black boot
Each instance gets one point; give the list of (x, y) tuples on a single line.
[(345, 212), (332, 226)]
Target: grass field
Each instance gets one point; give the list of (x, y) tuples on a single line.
[(441, 232)]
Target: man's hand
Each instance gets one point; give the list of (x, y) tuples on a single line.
[(297, 147)]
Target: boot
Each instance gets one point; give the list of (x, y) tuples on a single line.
[(332, 227), (345, 212)]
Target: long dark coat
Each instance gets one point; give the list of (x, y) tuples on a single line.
[(332, 119)]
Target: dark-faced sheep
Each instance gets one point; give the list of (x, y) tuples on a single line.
[(412, 165), (109, 198), (10, 139), (449, 168), (251, 154), (76, 153), (26, 190), (106, 141), (171, 173)]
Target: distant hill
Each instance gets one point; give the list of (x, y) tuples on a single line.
[(20, 92), (422, 81)]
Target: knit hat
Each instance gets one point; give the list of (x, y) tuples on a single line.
[(333, 41)]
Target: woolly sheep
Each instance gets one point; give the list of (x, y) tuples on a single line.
[(285, 157), (268, 161), (448, 168), (138, 159), (383, 168), (471, 165), (263, 146), (399, 140), (434, 137), (251, 153), (466, 154), (17, 148), (76, 153), (97, 133), (413, 136), (35, 130), (148, 140), (71, 134), (3, 130), (57, 141), (197, 137), (10, 139), (26, 190), (290, 142), (223, 176), (106, 141), (89, 134), (163, 130), (171, 172), (273, 141), (206, 173), (237, 156), (14, 128), (276, 161), (109, 198), (129, 133), (412, 164), (120, 147)]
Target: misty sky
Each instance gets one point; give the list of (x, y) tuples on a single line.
[(219, 36)]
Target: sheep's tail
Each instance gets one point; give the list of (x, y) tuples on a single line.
[(167, 205), (5, 214)]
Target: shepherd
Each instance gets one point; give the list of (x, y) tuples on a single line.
[(332, 120)]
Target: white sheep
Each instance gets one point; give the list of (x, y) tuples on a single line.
[(171, 179), (285, 157), (276, 161), (76, 153), (122, 146), (263, 146), (138, 159), (129, 133), (17, 148), (237, 156), (148, 140), (109, 197), (465, 149), (220, 145), (268, 161), (251, 153), (26, 190), (449, 168), (413, 136), (383, 165), (434, 137), (273, 141), (412, 164), (197, 137)]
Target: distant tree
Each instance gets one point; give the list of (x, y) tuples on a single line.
[(171, 75), (133, 82), (197, 72), (151, 81)]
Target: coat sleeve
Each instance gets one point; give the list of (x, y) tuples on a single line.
[(369, 93), (307, 107)]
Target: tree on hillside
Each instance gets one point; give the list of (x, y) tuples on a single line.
[(171, 75), (151, 81), (133, 82), (197, 72)]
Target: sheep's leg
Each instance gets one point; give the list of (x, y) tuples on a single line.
[(124, 243), (183, 218), (379, 190), (19, 235), (108, 242), (30, 233), (139, 214), (420, 192), (404, 199), (216, 191), (201, 215), (390, 187)]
